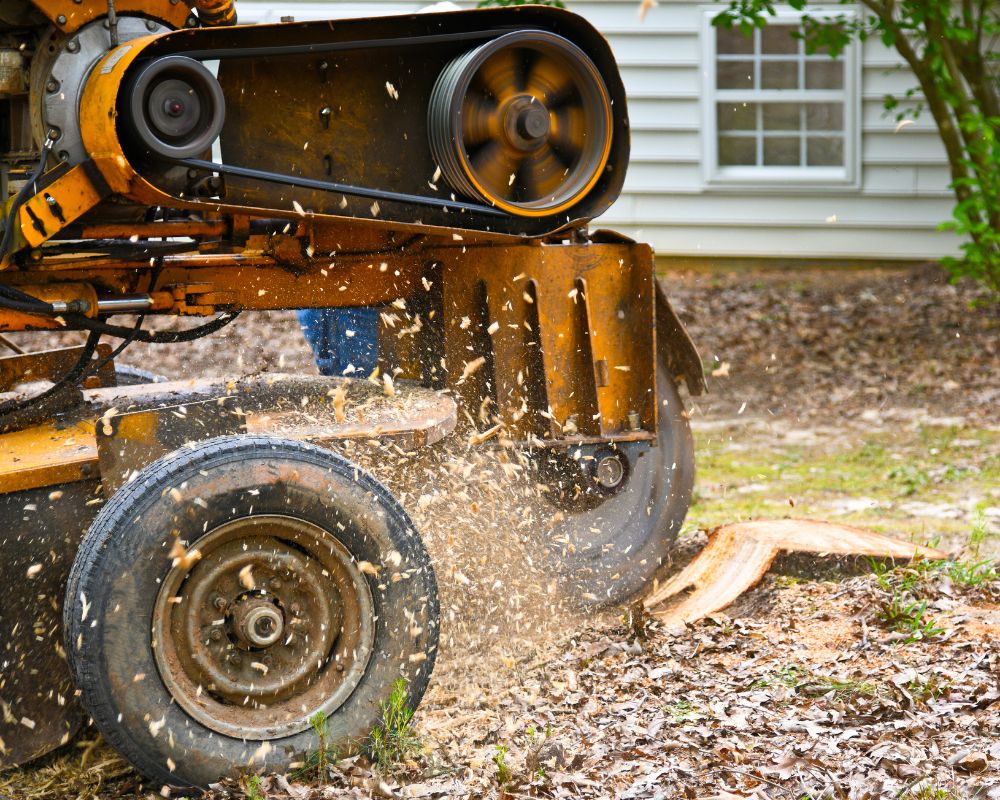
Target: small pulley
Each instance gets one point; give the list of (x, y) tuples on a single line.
[(522, 122), (173, 108)]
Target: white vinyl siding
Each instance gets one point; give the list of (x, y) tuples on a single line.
[(889, 208)]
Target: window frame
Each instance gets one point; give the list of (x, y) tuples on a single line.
[(778, 178)]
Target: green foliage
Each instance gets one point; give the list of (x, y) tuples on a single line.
[(504, 775), (908, 479), (923, 690), (322, 756), (907, 617), (905, 591), (929, 792), (556, 3), (251, 787), (682, 710), (951, 48), (824, 685), (979, 534), (392, 741)]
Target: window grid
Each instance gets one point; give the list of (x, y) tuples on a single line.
[(802, 96)]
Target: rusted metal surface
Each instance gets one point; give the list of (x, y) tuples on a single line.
[(679, 354), (70, 15), (39, 533), (128, 441), (59, 205), (50, 365), (292, 406), (565, 334), (265, 600), (45, 455), (738, 556)]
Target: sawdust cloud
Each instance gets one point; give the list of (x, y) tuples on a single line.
[(484, 520)]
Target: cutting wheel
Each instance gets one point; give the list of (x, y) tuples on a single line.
[(610, 549), (522, 122)]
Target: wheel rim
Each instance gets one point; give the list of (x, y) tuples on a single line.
[(272, 624), (522, 122)]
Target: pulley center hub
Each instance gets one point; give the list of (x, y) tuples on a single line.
[(526, 123)]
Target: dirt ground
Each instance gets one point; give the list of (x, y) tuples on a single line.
[(871, 397)]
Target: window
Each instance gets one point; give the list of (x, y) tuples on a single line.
[(774, 113)]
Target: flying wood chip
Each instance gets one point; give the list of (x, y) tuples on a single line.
[(739, 555)]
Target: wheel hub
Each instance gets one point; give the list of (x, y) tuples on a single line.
[(258, 622), (272, 624)]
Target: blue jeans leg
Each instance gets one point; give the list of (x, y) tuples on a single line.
[(342, 337)]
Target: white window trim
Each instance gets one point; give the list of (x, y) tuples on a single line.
[(778, 179)]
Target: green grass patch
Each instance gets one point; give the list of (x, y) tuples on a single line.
[(872, 480), (393, 740)]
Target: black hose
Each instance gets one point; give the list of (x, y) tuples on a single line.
[(22, 195), (151, 337), (75, 373)]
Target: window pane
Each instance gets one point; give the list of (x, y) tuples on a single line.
[(781, 151), (730, 40), (825, 74), (737, 151), (735, 75), (779, 75), (781, 116), (778, 39), (825, 151), (824, 116), (737, 116)]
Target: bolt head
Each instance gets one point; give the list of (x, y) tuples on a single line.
[(235, 659), (220, 602), (73, 46), (61, 19), (215, 635), (52, 85)]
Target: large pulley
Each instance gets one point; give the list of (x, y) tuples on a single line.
[(522, 122)]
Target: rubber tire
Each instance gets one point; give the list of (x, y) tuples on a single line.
[(639, 525), (127, 375), (115, 578)]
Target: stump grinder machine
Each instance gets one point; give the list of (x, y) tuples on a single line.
[(191, 563)]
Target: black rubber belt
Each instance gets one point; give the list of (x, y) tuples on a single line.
[(334, 47), (342, 188), (326, 186)]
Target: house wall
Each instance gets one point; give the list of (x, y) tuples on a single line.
[(891, 211)]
